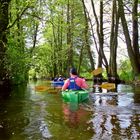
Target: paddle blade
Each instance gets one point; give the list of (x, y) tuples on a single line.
[(108, 86), (97, 71), (48, 89), (41, 88)]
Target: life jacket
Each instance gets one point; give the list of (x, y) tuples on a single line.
[(73, 85)]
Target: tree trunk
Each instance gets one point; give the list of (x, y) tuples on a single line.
[(131, 52), (100, 59), (69, 36), (86, 38), (4, 21), (80, 59), (135, 30), (113, 41), (100, 34)]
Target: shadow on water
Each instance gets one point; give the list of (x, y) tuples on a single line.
[(28, 114)]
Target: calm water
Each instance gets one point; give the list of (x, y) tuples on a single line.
[(30, 115)]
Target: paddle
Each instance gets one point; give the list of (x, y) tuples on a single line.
[(45, 88), (97, 71), (41, 88), (106, 86)]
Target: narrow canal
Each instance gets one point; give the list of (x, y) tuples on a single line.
[(32, 115)]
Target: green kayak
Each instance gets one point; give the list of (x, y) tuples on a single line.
[(76, 96)]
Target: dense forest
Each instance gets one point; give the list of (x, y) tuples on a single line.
[(44, 38)]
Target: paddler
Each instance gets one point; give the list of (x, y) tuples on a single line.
[(74, 82)]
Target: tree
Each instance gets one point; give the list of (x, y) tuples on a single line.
[(112, 72), (102, 58), (4, 21), (22, 39), (133, 52), (86, 42)]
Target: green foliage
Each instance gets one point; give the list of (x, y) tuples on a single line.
[(24, 20), (42, 61), (32, 74), (17, 63), (125, 70), (43, 34), (50, 58)]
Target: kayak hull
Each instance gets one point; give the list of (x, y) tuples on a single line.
[(108, 93), (57, 83), (76, 96)]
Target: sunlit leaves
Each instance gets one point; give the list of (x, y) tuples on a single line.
[(125, 70)]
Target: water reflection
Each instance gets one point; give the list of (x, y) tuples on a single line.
[(115, 117), (30, 115), (37, 127), (74, 114)]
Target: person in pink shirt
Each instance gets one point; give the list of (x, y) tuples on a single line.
[(74, 82)]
